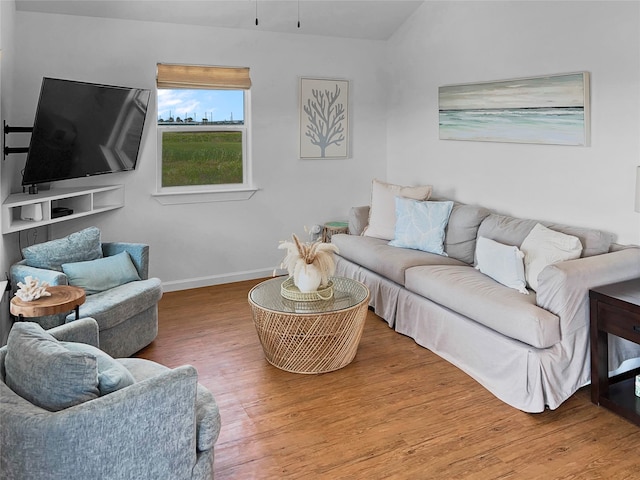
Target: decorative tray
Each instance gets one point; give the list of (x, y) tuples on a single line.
[(289, 291)]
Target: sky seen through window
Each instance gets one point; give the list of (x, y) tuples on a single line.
[(200, 105)]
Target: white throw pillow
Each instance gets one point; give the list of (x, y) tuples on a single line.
[(382, 212), (503, 263), (543, 247)]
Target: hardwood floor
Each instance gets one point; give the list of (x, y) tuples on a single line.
[(397, 412)]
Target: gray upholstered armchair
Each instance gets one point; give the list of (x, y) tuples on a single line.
[(162, 426), (120, 297)]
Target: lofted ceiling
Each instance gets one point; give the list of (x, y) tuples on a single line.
[(365, 19)]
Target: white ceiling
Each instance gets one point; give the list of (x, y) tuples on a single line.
[(366, 19)]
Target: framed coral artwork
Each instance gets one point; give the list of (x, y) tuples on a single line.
[(324, 118)]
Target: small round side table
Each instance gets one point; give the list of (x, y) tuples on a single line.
[(331, 228), (63, 298)]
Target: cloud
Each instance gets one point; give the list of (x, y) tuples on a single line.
[(179, 103)]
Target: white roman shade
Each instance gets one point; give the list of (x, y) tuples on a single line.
[(198, 76)]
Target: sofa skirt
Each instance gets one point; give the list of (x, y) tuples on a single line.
[(384, 293), (520, 375), (527, 378)]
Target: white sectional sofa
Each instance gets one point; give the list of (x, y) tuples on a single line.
[(530, 350)]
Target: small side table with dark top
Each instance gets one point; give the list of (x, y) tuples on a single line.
[(615, 309), (331, 228), (63, 298)]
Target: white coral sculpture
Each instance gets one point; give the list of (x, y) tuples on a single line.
[(32, 289), (318, 254)]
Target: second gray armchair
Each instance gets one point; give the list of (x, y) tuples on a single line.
[(163, 426)]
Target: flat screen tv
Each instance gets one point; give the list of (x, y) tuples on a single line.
[(83, 129)]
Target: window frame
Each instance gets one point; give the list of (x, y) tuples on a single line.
[(211, 192)]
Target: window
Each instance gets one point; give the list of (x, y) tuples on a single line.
[(203, 131)]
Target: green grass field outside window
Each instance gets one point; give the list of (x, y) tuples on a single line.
[(201, 158)]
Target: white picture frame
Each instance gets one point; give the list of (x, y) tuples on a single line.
[(552, 110), (324, 118)]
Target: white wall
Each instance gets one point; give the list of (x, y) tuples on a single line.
[(210, 243), (395, 129), (465, 42), (7, 164), (7, 18)]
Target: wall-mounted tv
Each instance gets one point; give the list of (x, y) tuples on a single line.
[(83, 129)]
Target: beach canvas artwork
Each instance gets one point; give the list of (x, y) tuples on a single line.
[(550, 110)]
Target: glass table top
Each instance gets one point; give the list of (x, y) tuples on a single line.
[(347, 293)]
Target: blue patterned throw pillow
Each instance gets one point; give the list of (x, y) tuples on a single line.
[(421, 225)]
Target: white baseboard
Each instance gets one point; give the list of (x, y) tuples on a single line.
[(185, 284)]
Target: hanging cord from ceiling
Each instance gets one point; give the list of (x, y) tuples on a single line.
[(298, 13)]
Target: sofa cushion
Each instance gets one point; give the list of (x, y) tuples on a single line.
[(112, 375), (382, 212), (594, 242), (41, 370), (358, 219), (102, 273), (462, 230), (118, 304), (513, 231), (141, 368), (543, 247), (77, 247), (503, 263), (378, 256), (468, 292), (421, 225)]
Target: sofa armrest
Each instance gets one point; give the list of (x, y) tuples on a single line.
[(20, 270), (147, 429), (358, 219), (563, 288), (84, 330), (138, 252)]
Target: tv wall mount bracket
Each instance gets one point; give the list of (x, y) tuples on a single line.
[(7, 130)]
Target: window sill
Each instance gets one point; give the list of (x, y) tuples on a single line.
[(178, 198)]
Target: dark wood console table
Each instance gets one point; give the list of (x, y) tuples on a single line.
[(615, 309)]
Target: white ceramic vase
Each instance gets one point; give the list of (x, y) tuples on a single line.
[(307, 278)]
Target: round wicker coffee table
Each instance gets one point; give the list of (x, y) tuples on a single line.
[(310, 337)]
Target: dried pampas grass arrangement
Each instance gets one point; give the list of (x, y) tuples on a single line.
[(309, 259)]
